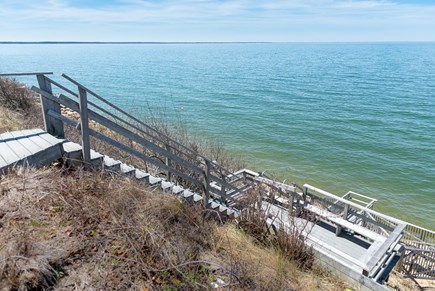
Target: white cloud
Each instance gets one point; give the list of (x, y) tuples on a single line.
[(208, 16)]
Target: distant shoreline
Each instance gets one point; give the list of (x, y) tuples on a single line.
[(210, 42), (128, 42)]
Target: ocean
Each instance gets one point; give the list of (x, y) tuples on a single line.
[(339, 116)]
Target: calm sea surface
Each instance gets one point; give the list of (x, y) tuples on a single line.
[(341, 117)]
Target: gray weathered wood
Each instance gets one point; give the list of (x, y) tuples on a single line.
[(127, 133), (384, 248), (339, 221), (123, 147), (20, 150), (142, 123), (52, 125), (27, 148), (84, 125), (25, 74), (121, 130), (206, 183)]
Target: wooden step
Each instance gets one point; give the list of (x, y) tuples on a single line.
[(96, 159), (154, 181), (141, 175), (28, 147), (127, 169), (166, 186), (177, 189), (111, 164), (73, 152)]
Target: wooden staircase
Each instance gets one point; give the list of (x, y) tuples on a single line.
[(72, 153)]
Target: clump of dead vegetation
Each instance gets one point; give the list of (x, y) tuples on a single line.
[(15, 96), (63, 228), (19, 106), (287, 234)]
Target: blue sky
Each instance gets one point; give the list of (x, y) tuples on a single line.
[(217, 20)]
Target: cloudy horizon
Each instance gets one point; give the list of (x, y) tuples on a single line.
[(217, 21)]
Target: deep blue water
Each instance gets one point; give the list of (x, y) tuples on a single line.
[(341, 117)]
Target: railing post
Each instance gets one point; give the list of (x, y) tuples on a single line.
[(304, 195), (52, 125), (345, 211), (168, 163), (223, 190), (84, 126), (206, 183)]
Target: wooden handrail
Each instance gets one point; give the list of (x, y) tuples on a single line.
[(121, 146), (73, 105), (25, 74), (354, 205), (142, 123)]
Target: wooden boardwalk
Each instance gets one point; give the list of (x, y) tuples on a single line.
[(28, 147)]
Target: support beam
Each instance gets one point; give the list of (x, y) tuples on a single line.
[(52, 125)]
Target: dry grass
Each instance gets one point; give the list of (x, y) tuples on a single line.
[(19, 107), (81, 230)]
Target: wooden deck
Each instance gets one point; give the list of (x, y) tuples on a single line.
[(357, 250), (33, 147)]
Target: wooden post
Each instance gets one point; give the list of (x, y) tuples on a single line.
[(168, 162), (84, 126), (52, 125), (206, 183), (304, 195), (291, 211), (345, 212), (223, 189)]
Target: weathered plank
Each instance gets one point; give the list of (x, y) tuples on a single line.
[(33, 136), (84, 125), (26, 147), (25, 74), (28, 141), (384, 248), (20, 150), (52, 125), (142, 123), (353, 205), (127, 133), (3, 162), (117, 128), (340, 222)]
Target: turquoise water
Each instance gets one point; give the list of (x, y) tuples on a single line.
[(341, 117)]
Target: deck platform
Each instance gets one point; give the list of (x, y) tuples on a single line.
[(346, 254), (33, 147)]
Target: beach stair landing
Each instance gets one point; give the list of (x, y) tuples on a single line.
[(28, 147)]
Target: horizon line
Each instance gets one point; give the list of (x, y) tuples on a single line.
[(206, 42)]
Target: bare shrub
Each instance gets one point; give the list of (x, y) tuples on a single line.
[(15, 96), (285, 231)]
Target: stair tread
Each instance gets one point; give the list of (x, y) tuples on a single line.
[(141, 174), (166, 185), (154, 180), (177, 189), (196, 197), (187, 193), (95, 155), (109, 162), (70, 146), (126, 168)]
